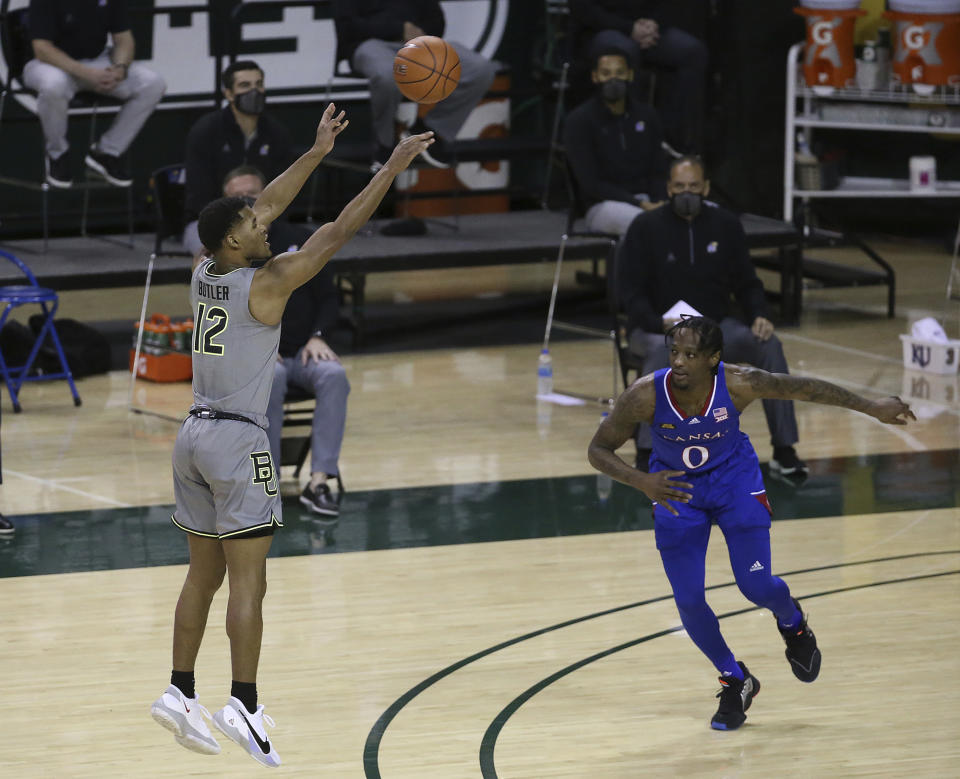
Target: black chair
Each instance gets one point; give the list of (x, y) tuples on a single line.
[(574, 229), (628, 360), (168, 187), (17, 50)]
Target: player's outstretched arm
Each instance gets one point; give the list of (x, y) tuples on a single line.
[(273, 283), (755, 384), (636, 404), (280, 192)]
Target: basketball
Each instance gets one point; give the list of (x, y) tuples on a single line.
[(426, 69)]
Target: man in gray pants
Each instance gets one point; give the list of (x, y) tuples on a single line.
[(369, 34), (70, 55)]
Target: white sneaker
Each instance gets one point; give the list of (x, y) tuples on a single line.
[(248, 731), (183, 717)]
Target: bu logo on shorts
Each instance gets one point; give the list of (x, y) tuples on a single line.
[(263, 472)]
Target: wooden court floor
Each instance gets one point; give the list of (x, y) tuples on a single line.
[(549, 656)]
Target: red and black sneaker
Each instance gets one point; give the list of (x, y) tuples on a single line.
[(735, 696), (802, 651)]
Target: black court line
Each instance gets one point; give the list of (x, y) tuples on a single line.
[(371, 748), (489, 742)]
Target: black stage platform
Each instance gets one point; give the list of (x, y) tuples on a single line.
[(464, 241)]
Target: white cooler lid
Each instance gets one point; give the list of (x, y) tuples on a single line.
[(831, 5), (925, 6)]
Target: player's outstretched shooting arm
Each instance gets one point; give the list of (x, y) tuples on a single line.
[(278, 278), (280, 192), (747, 384)]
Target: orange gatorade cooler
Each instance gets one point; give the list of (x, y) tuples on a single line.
[(829, 59), (162, 357), (926, 42)]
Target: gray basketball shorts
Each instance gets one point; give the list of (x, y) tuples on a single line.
[(224, 481)]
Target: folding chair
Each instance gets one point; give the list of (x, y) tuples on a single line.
[(17, 51), (575, 211), (14, 296), (168, 186)]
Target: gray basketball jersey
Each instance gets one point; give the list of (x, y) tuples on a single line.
[(233, 353)]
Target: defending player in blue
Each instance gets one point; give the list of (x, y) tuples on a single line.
[(704, 470)]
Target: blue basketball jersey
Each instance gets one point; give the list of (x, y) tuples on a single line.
[(699, 443)]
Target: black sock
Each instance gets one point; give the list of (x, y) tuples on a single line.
[(246, 693), (185, 682)]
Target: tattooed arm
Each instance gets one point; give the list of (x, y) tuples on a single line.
[(747, 384), (636, 404)]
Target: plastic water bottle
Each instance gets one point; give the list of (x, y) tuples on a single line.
[(604, 482), (544, 373), (544, 412)]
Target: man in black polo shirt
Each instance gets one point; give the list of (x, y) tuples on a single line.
[(693, 250), (614, 148), (71, 54), (238, 134)]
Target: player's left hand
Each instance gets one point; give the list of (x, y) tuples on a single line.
[(329, 128), (762, 328), (316, 349), (892, 410)]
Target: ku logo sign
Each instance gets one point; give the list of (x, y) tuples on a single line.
[(822, 33), (921, 355)]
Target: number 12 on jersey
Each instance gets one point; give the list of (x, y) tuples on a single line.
[(210, 322)]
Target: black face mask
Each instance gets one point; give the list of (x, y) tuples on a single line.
[(613, 90), (251, 102), (686, 204)]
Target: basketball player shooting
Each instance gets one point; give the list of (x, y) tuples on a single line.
[(225, 483), (705, 470)]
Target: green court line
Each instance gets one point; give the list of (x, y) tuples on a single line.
[(136, 537)]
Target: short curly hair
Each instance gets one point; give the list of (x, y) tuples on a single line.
[(219, 218), (711, 336)]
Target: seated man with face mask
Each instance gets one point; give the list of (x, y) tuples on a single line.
[(615, 148), (238, 134), (695, 251)]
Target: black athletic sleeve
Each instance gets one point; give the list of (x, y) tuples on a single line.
[(202, 184), (119, 16), (579, 141), (282, 151), (43, 20), (594, 17), (326, 301), (356, 22), (660, 168), (746, 285), (636, 278)]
